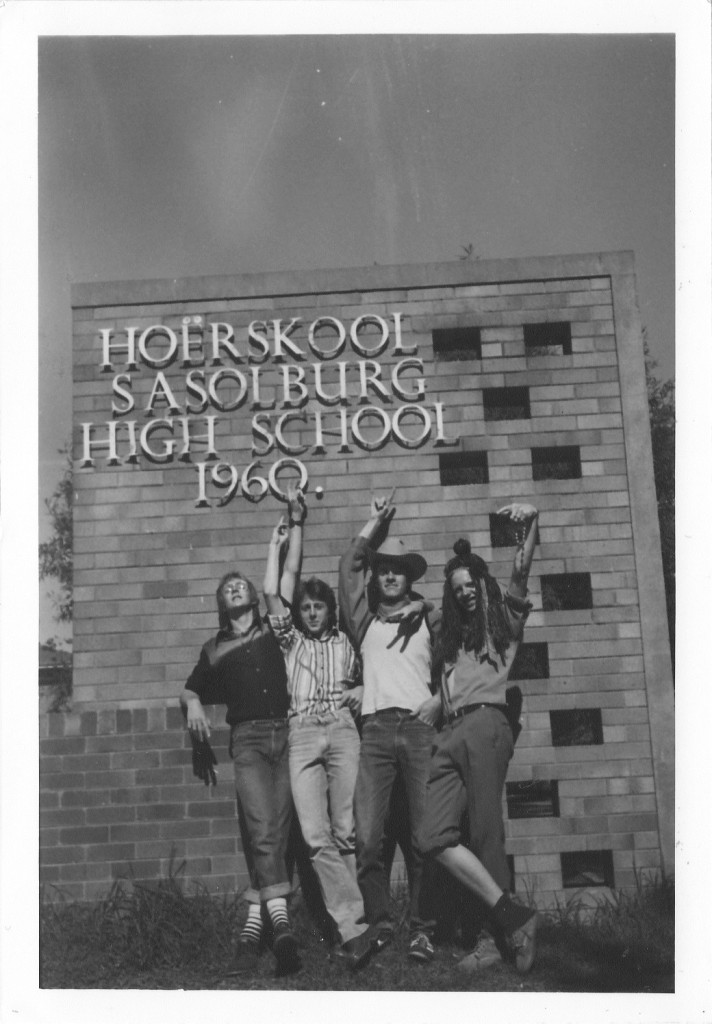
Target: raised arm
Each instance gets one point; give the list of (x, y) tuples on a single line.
[(353, 602), (273, 599), (382, 511), (526, 518), (293, 562)]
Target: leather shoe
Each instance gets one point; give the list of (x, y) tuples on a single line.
[(355, 953), (522, 945), (286, 949)]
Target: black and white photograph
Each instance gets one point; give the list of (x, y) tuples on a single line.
[(347, 349)]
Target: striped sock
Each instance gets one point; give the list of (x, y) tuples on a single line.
[(277, 909), (253, 925)]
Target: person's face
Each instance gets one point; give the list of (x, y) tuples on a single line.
[(392, 582), (236, 595), (314, 614), (465, 590)]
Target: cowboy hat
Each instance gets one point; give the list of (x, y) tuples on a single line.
[(394, 550)]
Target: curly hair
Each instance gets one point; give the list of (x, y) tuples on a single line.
[(486, 631), (317, 590)]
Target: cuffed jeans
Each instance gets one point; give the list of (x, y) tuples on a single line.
[(393, 743), (261, 759), (468, 773), (323, 762)]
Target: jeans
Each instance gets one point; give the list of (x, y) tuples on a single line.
[(393, 744), (261, 761), (323, 761), (468, 773)]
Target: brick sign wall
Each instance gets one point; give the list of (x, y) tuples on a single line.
[(463, 385)]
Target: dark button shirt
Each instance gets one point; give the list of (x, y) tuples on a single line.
[(245, 673)]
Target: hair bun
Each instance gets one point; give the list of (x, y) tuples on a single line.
[(462, 548)]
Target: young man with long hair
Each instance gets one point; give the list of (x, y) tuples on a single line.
[(243, 667), (480, 633), (390, 629), (323, 739)]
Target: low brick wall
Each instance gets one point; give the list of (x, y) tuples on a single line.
[(118, 799)]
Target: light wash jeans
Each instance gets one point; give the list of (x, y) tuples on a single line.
[(323, 762)]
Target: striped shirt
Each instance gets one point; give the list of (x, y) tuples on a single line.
[(318, 670)]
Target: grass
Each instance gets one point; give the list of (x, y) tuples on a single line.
[(627, 939), (166, 935)]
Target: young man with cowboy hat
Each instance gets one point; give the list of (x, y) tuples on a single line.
[(390, 629)]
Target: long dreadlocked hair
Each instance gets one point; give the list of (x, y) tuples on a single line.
[(486, 632)]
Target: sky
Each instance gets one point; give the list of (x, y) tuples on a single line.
[(185, 156)]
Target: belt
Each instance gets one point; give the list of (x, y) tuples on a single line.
[(386, 711), (469, 708), (276, 720)]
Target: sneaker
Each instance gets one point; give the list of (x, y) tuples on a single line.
[(355, 953), (421, 949), (245, 958), (485, 954), (522, 944), (286, 949)]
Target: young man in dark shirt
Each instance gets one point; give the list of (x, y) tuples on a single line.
[(243, 667)]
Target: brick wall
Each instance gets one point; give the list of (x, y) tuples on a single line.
[(118, 799), (147, 559)]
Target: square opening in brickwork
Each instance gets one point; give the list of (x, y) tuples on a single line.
[(548, 339), (512, 875), (576, 727), (587, 867), (463, 468), (504, 533), (457, 343), (506, 403), (538, 798), (566, 591), (531, 662), (561, 463)]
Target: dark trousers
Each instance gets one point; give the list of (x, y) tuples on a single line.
[(261, 761), (394, 745), (468, 773)]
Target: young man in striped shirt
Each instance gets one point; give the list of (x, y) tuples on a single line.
[(323, 739)]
